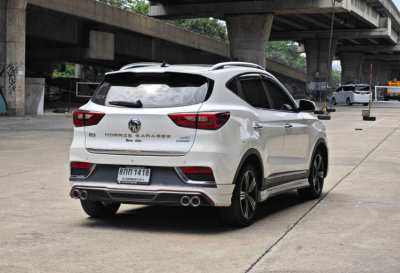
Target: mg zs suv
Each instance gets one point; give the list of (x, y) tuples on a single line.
[(227, 136)]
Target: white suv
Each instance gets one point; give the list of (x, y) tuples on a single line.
[(351, 94), (227, 136)]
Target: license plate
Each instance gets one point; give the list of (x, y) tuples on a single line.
[(134, 175)]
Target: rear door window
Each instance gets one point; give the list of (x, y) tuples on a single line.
[(253, 92), (156, 90)]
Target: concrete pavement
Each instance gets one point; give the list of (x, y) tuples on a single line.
[(354, 228)]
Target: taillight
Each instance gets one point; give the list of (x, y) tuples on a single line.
[(198, 173), (86, 118), (205, 120), (186, 120), (81, 169)]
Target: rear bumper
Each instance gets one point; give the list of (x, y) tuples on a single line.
[(154, 194), (361, 98)]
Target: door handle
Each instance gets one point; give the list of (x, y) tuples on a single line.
[(288, 126), (257, 126)]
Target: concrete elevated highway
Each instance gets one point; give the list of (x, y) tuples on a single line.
[(35, 34), (365, 31)]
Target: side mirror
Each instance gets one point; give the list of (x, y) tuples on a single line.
[(307, 106)]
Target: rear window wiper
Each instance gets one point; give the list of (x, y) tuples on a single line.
[(137, 104)]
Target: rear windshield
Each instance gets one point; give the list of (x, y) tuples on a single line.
[(153, 90), (362, 88)]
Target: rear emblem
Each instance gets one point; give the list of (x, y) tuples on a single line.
[(134, 125)]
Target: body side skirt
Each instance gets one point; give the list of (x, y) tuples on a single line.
[(296, 184), (278, 179)]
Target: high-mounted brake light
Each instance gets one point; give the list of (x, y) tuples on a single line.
[(86, 118), (205, 120)]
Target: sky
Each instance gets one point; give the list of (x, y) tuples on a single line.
[(397, 3)]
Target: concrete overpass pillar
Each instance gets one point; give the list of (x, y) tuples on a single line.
[(381, 72), (352, 67), (12, 54), (3, 23), (318, 67), (248, 36), (395, 73)]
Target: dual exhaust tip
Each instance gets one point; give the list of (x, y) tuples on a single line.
[(79, 194), (193, 201), (185, 201)]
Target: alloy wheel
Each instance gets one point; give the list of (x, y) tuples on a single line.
[(318, 173), (248, 194)]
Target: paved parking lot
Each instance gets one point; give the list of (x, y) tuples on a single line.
[(353, 228)]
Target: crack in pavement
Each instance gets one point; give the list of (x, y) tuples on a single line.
[(320, 200)]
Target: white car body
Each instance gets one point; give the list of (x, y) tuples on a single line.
[(283, 141), (352, 94)]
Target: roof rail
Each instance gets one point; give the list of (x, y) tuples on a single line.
[(138, 65), (240, 64)]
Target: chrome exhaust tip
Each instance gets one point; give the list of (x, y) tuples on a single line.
[(185, 201), (84, 195), (76, 194), (195, 201)]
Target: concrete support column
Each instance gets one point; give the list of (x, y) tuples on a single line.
[(3, 39), (366, 71), (319, 68), (352, 66), (39, 69), (248, 36), (12, 53), (78, 71), (395, 73), (381, 72)]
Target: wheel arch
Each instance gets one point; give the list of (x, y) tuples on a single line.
[(254, 157), (321, 145)]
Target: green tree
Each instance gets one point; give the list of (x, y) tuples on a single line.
[(286, 52), (140, 6), (64, 70), (206, 26)]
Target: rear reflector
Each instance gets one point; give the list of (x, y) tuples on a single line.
[(205, 120), (81, 169), (198, 173), (81, 165), (86, 118)]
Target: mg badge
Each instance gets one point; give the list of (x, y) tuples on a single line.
[(134, 125)]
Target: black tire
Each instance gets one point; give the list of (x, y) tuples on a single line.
[(315, 179), (97, 209), (365, 104), (333, 101), (244, 199), (348, 102)]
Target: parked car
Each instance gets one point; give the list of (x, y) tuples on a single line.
[(350, 94), (227, 136)]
